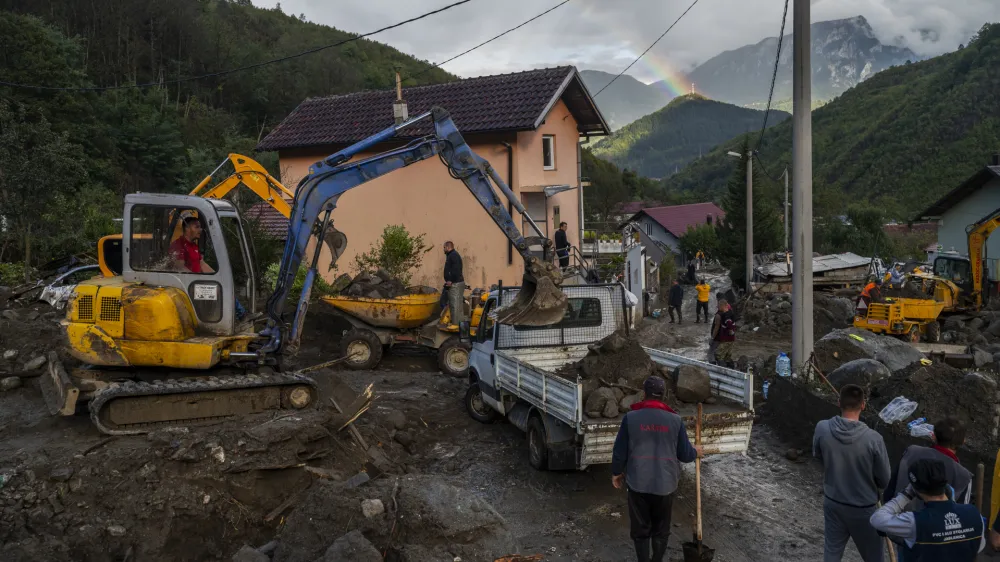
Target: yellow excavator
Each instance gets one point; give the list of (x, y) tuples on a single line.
[(968, 273), (165, 341)]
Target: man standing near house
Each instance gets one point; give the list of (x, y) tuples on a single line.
[(674, 300), (454, 282), (651, 444), (562, 245), (855, 468), (701, 306)]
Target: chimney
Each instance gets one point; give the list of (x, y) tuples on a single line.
[(399, 110), (995, 159)]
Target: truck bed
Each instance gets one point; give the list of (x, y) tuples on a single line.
[(531, 375)]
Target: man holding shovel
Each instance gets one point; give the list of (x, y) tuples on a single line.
[(651, 444)]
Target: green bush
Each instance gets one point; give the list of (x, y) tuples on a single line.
[(397, 252), (320, 286), (11, 273)]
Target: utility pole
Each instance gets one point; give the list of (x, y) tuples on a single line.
[(786, 208), (749, 270), (802, 247)]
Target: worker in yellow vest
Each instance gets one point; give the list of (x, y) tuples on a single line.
[(704, 290)]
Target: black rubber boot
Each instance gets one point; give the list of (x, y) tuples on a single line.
[(642, 549), (659, 549)]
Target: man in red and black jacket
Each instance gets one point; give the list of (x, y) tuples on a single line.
[(651, 444)]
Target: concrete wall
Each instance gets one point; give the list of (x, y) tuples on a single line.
[(951, 230), (425, 199)]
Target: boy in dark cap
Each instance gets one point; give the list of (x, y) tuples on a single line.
[(651, 444), (942, 530)]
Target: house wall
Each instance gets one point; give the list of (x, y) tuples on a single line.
[(951, 229), (428, 201), (656, 231)]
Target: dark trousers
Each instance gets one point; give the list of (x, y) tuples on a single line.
[(564, 261), (671, 309), (563, 255), (699, 308), (649, 516)]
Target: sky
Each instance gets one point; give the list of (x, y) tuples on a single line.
[(608, 34)]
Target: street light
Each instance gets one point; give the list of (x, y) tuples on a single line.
[(749, 250)]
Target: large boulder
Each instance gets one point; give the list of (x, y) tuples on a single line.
[(354, 547), (693, 384), (598, 400), (841, 346), (862, 372)]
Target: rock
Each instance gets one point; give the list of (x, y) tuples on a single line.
[(610, 409), (249, 554), (354, 547), (36, 363), (852, 343), (340, 283), (980, 340), (374, 294), (996, 357), (116, 530), (793, 454), (994, 328), (372, 508), (615, 342), (355, 290), (974, 324), (619, 393), (10, 314), (693, 384), (396, 418), (61, 474), (783, 305), (9, 354), (30, 315), (596, 403), (9, 383), (625, 404), (403, 438), (980, 357), (862, 372)]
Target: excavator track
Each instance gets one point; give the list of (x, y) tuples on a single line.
[(133, 407)]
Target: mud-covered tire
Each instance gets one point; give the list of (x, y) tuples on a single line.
[(538, 451), (365, 347), (476, 407), (932, 333), (913, 336), (453, 358)]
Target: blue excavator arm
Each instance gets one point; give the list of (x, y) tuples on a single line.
[(539, 302)]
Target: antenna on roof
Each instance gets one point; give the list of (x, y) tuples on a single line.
[(399, 110)]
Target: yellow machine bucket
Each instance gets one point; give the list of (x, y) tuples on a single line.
[(540, 301), (407, 311)]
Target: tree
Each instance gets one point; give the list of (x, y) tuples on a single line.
[(767, 229), (702, 237), (397, 252)]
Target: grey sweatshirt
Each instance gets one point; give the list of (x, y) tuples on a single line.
[(855, 462)]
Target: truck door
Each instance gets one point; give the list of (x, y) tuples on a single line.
[(481, 357), (177, 241)]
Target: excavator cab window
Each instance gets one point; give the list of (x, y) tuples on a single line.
[(239, 258), (956, 270), (156, 245)]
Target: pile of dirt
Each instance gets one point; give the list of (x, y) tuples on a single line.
[(773, 314), (378, 285), (941, 390), (840, 346), (904, 292)]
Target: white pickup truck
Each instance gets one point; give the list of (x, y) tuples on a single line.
[(512, 373)]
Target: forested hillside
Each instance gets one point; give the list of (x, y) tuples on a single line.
[(67, 157), (898, 141), (661, 143)]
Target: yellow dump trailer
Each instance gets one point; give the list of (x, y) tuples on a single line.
[(909, 319), (407, 311)]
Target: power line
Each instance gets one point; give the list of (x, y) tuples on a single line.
[(494, 38), (647, 49), (764, 168), (774, 76), (242, 68)]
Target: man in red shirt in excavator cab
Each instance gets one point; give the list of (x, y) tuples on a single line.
[(185, 254)]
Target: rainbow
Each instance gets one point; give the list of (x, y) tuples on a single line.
[(671, 80)]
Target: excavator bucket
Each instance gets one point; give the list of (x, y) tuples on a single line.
[(539, 302)]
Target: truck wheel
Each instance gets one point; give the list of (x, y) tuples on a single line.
[(933, 333), (453, 358), (363, 349), (913, 336), (538, 451), (477, 408)]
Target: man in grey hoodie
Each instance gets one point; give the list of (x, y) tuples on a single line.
[(855, 468)]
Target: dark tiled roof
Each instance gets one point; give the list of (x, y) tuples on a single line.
[(504, 102), (270, 220), (678, 218), (956, 195)]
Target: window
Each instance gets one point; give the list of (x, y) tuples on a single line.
[(581, 313), (488, 321), (548, 152), (158, 241), (649, 229)]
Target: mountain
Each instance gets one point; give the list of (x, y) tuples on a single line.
[(624, 101), (845, 53), (662, 142), (898, 141)]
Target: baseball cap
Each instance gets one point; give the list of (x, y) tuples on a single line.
[(654, 386), (927, 475)]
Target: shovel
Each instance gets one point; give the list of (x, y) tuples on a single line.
[(695, 551)]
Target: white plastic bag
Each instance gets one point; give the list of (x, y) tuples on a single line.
[(898, 410)]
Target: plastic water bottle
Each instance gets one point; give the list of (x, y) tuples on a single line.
[(898, 410), (922, 430), (767, 384), (915, 422), (783, 365)]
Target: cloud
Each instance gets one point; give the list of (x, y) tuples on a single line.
[(604, 35)]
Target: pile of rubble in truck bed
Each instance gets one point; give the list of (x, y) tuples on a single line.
[(613, 373)]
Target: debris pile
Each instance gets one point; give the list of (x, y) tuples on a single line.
[(378, 285), (773, 313), (841, 346)]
